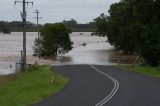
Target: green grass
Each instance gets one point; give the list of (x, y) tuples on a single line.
[(31, 87), (147, 70)]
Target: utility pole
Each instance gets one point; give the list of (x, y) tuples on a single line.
[(37, 18), (23, 14)]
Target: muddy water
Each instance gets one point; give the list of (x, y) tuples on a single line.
[(95, 53), (96, 50)]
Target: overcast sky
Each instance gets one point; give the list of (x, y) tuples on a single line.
[(56, 10)]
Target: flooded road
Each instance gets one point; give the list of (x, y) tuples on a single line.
[(87, 50), (96, 53)]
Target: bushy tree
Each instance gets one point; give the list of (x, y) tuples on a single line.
[(150, 48), (6, 30), (54, 39), (133, 26), (101, 25), (5, 27)]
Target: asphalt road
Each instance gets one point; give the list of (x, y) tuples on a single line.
[(105, 86)]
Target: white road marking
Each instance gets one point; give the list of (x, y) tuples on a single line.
[(113, 92)]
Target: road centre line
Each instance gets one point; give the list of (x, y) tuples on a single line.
[(114, 90)]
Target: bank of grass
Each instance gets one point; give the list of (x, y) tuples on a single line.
[(31, 87), (143, 69)]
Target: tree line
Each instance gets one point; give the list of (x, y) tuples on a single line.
[(133, 26), (77, 27), (17, 26), (4, 27)]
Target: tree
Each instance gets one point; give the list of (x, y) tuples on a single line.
[(133, 26), (101, 25), (6, 30), (79, 27), (54, 39), (5, 27), (150, 48), (71, 22)]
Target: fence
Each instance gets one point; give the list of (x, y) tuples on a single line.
[(126, 59)]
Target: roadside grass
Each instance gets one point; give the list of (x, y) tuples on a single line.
[(31, 87), (143, 69)]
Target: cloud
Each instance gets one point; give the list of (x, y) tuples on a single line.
[(57, 10)]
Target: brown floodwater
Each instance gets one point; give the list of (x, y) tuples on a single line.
[(96, 50), (95, 53)]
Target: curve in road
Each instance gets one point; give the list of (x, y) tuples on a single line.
[(89, 88), (113, 92)]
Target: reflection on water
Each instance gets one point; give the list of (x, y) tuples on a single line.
[(96, 53)]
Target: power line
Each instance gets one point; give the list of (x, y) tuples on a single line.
[(37, 18), (23, 15)]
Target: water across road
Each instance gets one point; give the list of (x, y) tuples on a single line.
[(96, 53), (96, 50)]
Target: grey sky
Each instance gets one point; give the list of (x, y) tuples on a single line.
[(56, 10)]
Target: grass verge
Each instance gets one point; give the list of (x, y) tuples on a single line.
[(147, 70), (31, 87)]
